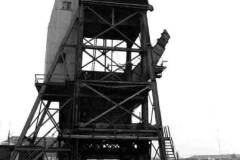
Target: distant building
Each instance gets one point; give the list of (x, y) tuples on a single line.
[(7, 146), (14, 139), (215, 157), (10, 141)]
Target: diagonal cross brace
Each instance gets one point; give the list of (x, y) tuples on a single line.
[(101, 64), (156, 151), (114, 26), (122, 115), (61, 107), (115, 103), (43, 88), (46, 107), (118, 68), (97, 60), (54, 122), (94, 59), (114, 107)]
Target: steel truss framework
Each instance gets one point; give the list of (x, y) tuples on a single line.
[(81, 140)]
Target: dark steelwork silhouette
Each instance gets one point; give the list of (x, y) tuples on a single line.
[(107, 99)]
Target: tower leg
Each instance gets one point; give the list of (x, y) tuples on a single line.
[(145, 111), (78, 67), (29, 120), (146, 43)]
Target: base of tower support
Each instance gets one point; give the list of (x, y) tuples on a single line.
[(110, 149), (105, 137)]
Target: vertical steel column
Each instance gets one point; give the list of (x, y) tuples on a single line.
[(156, 105), (105, 54), (128, 62), (78, 63), (143, 41), (145, 110), (78, 69)]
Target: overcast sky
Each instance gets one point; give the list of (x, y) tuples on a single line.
[(199, 91)]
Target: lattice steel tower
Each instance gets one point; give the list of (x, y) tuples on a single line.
[(99, 90)]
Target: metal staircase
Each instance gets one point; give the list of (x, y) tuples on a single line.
[(169, 145)]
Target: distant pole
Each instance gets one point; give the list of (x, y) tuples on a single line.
[(9, 137), (9, 133), (177, 155), (219, 144)]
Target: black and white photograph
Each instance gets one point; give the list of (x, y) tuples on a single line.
[(120, 80)]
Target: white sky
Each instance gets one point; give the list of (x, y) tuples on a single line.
[(199, 91)]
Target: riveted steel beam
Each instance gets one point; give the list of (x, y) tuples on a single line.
[(117, 4)]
